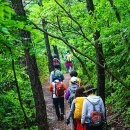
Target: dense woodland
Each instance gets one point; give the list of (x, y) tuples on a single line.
[(96, 31)]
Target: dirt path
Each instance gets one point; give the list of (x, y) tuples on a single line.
[(52, 119)]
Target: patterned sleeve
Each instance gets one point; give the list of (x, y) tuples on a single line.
[(71, 111)]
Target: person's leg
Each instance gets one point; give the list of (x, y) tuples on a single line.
[(95, 128), (88, 127), (61, 101), (56, 104)]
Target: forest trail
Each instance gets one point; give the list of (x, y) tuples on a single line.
[(52, 119)]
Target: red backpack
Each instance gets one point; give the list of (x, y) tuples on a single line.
[(56, 61), (59, 89)]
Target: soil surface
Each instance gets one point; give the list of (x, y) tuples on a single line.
[(52, 119)]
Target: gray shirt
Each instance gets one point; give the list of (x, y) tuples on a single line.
[(88, 107)]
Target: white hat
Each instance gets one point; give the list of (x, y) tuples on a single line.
[(73, 80)]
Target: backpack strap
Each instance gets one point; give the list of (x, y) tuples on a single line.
[(94, 109)]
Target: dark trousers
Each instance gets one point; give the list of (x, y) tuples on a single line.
[(94, 127), (59, 106)]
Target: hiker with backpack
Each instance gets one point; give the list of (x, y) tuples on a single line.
[(56, 72), (70, 92), (57, 88), (76, 109), (56, 61), (68, 61), (75, 74), (93, 111)]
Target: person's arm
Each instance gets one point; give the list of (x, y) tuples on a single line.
[(51, 77), (84, 112), (64, 86), (51, 87), (71, 111)]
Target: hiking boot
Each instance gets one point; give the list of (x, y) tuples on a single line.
[(58, 119), (62, 117)]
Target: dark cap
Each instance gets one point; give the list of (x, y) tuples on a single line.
[(89, 87)]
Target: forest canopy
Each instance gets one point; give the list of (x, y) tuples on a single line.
[(96, 32)]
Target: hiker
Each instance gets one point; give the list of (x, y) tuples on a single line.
[(68, 61), (56, 61), (57, 73), (57, 88), (70, 92), (75, 74), (76, 109), (93, 111)]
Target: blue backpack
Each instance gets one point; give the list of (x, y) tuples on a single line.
[(72, 91), (57, 75)]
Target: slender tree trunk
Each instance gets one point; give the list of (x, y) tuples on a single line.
[(18, 89), (100, 70), (41, 115), (99, 56), (56, 51), (50, 59)]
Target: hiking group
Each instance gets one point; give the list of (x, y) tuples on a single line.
[(86, 111)]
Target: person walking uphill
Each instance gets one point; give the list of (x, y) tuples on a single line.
[(93, 111), (71, 90), (57, 88), (68, 61), (76, 109), (75, 74), (70, 94), (56, 73), (56, 61)]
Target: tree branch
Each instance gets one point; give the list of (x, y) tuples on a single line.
[(71, 17), (66, 42)]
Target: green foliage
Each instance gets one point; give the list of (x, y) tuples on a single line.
[(114, 37)]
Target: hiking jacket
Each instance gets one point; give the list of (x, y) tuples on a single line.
[(88, 107), (52, 88), (69, 92), (56, 72)]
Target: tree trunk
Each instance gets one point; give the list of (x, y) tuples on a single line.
[(49, 55), (56, 51), (41, 115), (99, 56), (100, 70)]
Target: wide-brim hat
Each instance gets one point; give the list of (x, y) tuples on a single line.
[(89, 88)]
